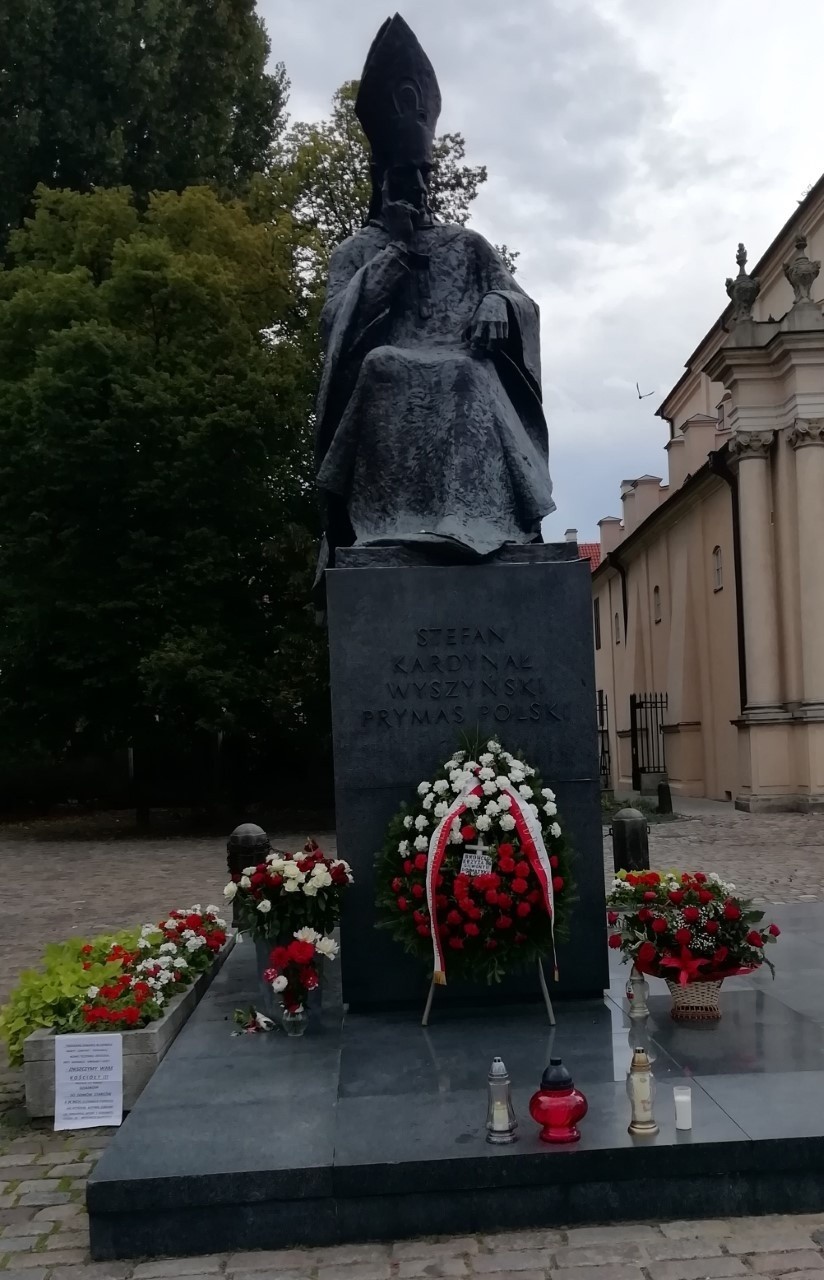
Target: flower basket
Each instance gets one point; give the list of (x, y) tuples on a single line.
[(695, 1001)]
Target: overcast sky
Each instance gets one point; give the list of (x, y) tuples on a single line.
[(630, 144)]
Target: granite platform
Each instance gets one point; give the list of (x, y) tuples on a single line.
[(371, 1128)]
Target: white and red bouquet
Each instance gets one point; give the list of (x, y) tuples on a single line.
[(476, 875), (686, 926), (293, 968), (287, 892)]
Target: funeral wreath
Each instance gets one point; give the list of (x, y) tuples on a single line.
[(474, 877), (686, 926)]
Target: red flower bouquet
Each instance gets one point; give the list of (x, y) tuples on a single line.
[(293, 968), (471, 870), (686, 927), (287, 892)]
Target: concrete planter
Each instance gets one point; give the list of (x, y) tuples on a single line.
[(143, 1049)]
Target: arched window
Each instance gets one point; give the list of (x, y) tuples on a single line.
[(717, 569), (617, 627), (656, 603)]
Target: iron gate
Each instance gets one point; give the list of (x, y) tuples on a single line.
[(604, 762), (646, 723)]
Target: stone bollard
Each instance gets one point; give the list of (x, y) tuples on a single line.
[(247, 844), (630, 843)]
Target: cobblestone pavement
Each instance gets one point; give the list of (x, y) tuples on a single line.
[(54, 888)]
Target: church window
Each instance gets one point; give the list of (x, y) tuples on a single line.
[(656, 603), (617, 626), (717, 569)]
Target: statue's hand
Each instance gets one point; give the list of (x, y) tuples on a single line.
[(401, 219), (490, 324)]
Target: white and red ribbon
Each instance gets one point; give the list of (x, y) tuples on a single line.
[(530, 838)]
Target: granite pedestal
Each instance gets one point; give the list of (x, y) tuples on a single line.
[(371, 1128), (423, 653)]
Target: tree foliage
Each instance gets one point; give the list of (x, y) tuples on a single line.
[(155, 487), (152, 94)]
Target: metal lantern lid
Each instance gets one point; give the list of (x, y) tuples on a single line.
[(556, 1076), (247, 836)]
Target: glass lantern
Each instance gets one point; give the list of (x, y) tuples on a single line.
[(501, 1124)]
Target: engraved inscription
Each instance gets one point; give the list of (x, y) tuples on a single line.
[(461, 676)]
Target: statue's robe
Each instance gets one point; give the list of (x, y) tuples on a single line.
[(420, 439)]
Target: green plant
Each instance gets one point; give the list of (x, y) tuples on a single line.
[(53, 996)]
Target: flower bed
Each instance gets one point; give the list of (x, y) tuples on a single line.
[(143, 984)]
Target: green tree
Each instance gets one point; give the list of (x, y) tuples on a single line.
[(322, 176), (152, 94), (155, 486)]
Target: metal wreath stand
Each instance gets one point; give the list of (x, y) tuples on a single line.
[(550, 1012)]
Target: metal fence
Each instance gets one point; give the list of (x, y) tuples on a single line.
[(647, 712), (604, 762)]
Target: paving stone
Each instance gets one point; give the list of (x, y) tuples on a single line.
[(664, 1249), (413, 1268), (598, 1255), (25, 1227), (524, 1240), (16, 1244), (275, 1260), (356, 1271), (44, 1198), (8, 1202), (699, 1228), (755, 1240), (512, 1262), (39, 1184), (201, 1266), (776, 1264), (343, 1254), (697, 1269), (93, 1271), (16, 1173), (61, 1212), (34, 1273), (447, 1248), (274, 1275), (608, 1272), (79, 1170), (15, 1158), (51, 1258), (632, 1233)]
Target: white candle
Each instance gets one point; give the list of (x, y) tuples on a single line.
[(683, 1106)]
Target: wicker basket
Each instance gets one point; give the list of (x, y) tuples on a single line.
[(695, 1001)]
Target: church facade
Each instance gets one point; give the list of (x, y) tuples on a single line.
[(708, 600)]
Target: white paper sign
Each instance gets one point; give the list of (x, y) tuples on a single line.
[(475, 864), (88, 1081)]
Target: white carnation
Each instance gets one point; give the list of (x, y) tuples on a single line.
[(440, 786), (441, 809), (421, 822), (169, 947), (547, 793), (493, 808), (501, 781), (533, 808), (421, 843), (489, 788), (555, 830), (458, 785), (528, 770), (279, 983), (276, 864), (494, 746), (473, 802), (264, 906), (321, 877), (291, 871), (172, 924), (429, 800), (486, 759), (92, 993), (407, 822), (145, 944), (482, 822), (455, 836), (525, 791), (550, 809), (403, 847), (327, 947), (423, 787), (505, 801), (249, 871), (507, 822), (486, 773)]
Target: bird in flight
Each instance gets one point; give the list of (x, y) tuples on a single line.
[(646, 393)]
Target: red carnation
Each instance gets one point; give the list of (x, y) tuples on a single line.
[(504, 901), (438, 881), (491, 944), (456, 944), (467, 906), (461, 886), (505, 850), (397, 884), (301, 952), (441, 902), (554, 863), (659, 925), (557, 883), (423, 930), (418, 917), (650, 895), (403, 905), (522, 870), (519, 886), (612, 917), (418, 891), (420, 862), (408, 866), (476, 914), (519, 938), (615, 941), (699, 877), (644, 915), (647, 952), (711, 926), (774, 931), (732, 911), (131, 1015), (88, 948), (691, 915), (491, 897), (534, 896), (507, 865), (754, 938), (278, 957), (468, 833), (676, 896), (721, 954), (683, 936), (471, 930), (503, 922), (705, 896), (523, 909), (454, 917)]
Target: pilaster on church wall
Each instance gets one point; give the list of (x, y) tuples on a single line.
[(785, 517)]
